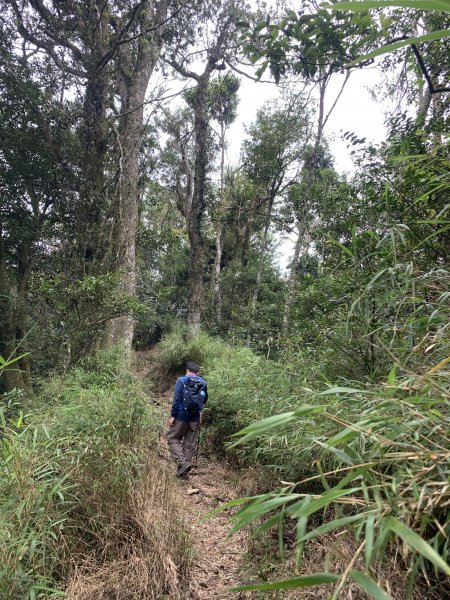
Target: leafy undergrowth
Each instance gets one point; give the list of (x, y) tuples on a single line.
[(87, 509), (364, 464)]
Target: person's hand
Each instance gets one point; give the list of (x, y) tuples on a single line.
[(171, 421)]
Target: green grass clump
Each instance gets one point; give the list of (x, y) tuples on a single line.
[(77, 484)]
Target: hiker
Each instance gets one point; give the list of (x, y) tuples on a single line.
[(189, 397)]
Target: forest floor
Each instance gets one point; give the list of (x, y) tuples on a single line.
[(218, 561)]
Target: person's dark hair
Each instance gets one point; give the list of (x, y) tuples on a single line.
[(192, 367)]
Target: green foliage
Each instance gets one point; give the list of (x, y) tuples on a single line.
[(72, 469), (80, 309), (222, 98), (5, 363), (243, 388), (363, 5), (306, 41), (295, 582), (388, 473)]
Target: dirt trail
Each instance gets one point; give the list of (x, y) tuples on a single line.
[(217, 561)]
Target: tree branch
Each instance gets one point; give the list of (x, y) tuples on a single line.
[(182, 70), (119, 42), (49, 48), (48, 17), (427, 76)]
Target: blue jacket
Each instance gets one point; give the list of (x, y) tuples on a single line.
[(177, 405)]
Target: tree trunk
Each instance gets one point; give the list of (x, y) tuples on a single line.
[(93, 191), (262, 255), (310, 171), (249, 230), (195, 292), (24, 269), (134, 82), (194, 214), (10, 378), (301, 247), (217, 296)]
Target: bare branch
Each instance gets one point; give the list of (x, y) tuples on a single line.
[(49, 48)]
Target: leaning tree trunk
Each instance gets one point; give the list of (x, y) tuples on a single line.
[(135, 75)]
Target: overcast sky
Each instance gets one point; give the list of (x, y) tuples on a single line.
[(355, 111)]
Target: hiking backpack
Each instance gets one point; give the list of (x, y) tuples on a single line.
[(193, 395)]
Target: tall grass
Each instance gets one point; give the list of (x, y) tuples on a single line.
[(86, 510), (369, 459), (243, 388)]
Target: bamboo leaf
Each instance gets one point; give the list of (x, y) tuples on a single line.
[(232, 503), (265, 425), (416, 543), (275, 520), (392, 375), (363, 5), (369, 585), (434, 35), (341, 455), (268, 422), (295, 582), (332, 525), (327, 498), (252, 512), (300, 532), (19, 420), (341, 390), (368, 549)]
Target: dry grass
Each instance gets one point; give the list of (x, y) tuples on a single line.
[(252, 481), (155, 562)]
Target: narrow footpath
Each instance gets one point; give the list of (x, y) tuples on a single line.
[(217, 560)]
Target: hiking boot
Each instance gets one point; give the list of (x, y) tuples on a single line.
[(183, 472)]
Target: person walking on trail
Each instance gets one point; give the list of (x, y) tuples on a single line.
[(190, 395)]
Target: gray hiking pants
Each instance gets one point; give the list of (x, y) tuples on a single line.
[(183, 438)]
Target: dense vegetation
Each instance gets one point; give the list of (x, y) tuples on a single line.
[(87, 508), (122, 225)]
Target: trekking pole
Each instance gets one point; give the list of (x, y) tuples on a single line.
[(198, 442)]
